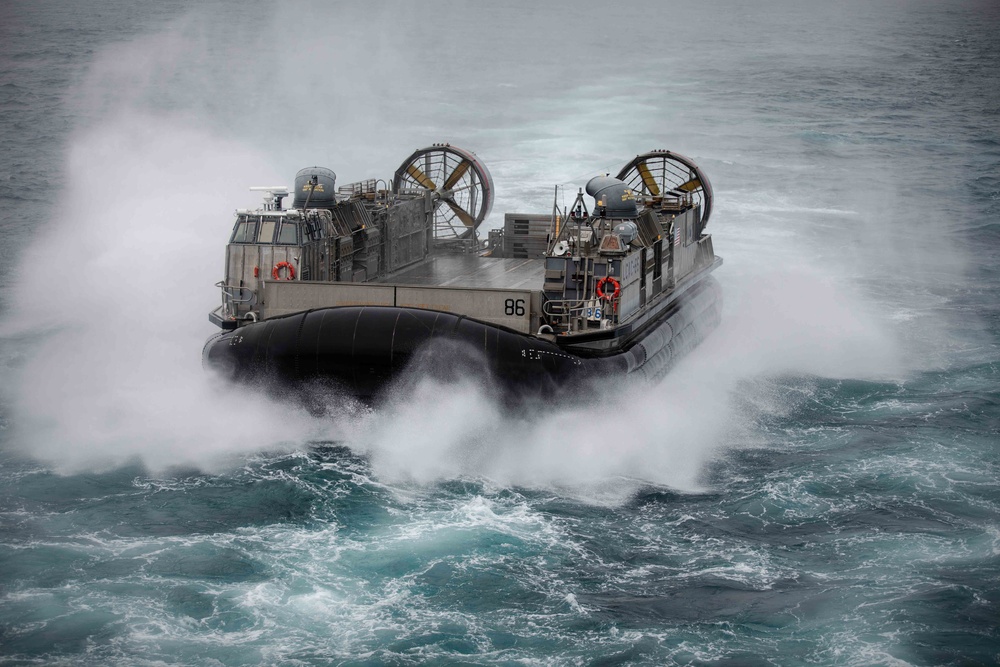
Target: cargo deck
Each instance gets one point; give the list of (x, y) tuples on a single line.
[(469, 270)]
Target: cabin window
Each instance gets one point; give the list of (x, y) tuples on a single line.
[(657, 259), (266, 232), (689, 229), (244, 232), (288, 234)]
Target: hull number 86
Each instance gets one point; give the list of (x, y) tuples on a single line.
[(513, 307)]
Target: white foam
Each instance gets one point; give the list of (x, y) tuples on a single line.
[(115, 293)]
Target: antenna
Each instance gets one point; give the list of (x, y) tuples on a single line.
[(275, 193), (313, 182)]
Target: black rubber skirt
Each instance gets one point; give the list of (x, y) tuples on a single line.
[(363, 349)]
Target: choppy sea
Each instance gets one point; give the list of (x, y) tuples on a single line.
[(817, 484)]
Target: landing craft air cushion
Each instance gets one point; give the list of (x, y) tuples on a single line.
[(350, 285)]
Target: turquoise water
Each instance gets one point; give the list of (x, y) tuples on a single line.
[(815, 484)]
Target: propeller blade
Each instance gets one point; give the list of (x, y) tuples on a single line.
[(648, 179), (460, 212), (420, 177), (690, 186), (462, 167)]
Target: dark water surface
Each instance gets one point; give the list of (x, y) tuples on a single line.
[(816, 484)]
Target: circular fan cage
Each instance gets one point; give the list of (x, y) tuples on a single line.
[(462, 186), (664, 177)]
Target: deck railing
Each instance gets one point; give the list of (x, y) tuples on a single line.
[(580, 314)]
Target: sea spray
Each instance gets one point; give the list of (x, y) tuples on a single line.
[(116, 290)]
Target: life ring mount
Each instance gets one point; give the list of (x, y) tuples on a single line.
[(276, 271), (608, 296)]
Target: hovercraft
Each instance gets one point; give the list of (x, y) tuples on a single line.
[(352, 285)]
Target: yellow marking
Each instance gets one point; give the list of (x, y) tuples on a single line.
[(648, 179)]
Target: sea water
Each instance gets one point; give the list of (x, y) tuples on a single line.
[(817, 483)]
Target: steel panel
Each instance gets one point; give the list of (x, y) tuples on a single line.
[(285, 297), (509, 308)]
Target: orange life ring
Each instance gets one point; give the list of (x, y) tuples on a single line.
[(600, 288), (276, 271)]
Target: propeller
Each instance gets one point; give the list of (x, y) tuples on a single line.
[(657, 172), (465, 194)]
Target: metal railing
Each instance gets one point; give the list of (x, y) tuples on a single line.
[(569, 313), (234, 296)]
